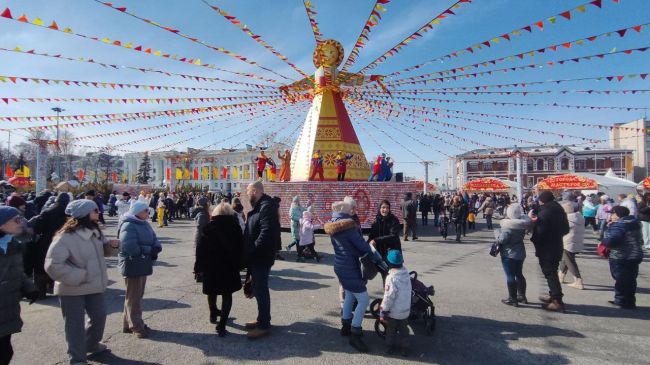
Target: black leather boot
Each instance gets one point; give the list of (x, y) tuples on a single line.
[(521, 291), (356, 341), (346, 327), (512, 296)]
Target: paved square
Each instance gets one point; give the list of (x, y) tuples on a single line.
[(473, 327)]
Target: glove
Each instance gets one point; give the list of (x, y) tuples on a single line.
[(32, 296)]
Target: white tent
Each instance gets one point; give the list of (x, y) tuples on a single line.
[(610, 185)]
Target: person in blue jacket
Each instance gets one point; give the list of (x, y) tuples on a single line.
[(349, 247), (624, 239), (139, 248)]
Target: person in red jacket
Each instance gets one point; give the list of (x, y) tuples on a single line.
[(376, 169), (342, 165), (316, 166), (261, 164)]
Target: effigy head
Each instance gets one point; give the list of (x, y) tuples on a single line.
[(328, 53)]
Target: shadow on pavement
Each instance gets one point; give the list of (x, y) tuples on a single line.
[(282, 284), (293, 273), (110, 358), (456, 341), (608, 311)]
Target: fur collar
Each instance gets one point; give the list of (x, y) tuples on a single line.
[(515, 223), (332, 228)]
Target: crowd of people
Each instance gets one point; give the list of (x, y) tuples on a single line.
[(55, 244)]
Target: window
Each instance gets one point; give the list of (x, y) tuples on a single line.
[(531, 181), (600, 163), (472, 166), (617, 163), (487, 166), (551, 164), (540, 165), (529, 164), (580, 165), (564, 163)]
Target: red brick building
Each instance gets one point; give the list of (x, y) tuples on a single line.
[(539, 162)]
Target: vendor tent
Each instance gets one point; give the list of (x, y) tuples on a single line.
[(612, 186), (490, 184)]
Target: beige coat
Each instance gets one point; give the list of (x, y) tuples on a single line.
[(574, 240), (75, 261)]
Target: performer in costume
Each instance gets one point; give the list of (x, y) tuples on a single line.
[(272, 169), (342, 164), (385, 171), (376, 170), (317, 166), (389, 169), (285, 170), (261, 163)]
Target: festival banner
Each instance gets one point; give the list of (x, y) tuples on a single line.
[(179, 173), (131, 100), (224, 172), (572, 182), (506, 37), (309, 10), (487, 184)]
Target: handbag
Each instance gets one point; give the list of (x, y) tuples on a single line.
[(603, 251), (495, 249), (134, 266)]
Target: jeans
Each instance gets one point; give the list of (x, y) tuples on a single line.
[(425, 218), (513, 270), (397, 332), (624, 273), (549, 269), (436, 215), (261, 292), (488, 220), (82, 338), (362, 303)]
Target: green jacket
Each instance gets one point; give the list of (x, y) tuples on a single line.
[(14, 284)]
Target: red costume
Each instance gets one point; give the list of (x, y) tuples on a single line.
[(261, 164), (317, 166), (342, 165)]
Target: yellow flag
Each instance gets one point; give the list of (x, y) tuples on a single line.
[(179, 174), (186, 174), (235, 173), (26, 171)]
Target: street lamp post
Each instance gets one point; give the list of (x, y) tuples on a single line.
[(58, 146)]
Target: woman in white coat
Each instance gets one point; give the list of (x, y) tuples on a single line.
[(573, 244), (75, 261)]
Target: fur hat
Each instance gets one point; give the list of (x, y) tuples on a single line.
[(342, 207)]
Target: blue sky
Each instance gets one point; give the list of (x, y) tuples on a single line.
[(284, 25)]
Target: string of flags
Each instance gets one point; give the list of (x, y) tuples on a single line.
[(423, 80), (373, 19), (309, 10), (506, 37), (197, 78), (531, 53), (174, 112), (177, 32), (195, 61), (415, 35), (256, 37), (132, 100), (119, 85)]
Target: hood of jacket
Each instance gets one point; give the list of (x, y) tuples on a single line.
[(629, 223), (517, 223), (339, 225)]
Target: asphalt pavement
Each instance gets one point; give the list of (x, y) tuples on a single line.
[(472, 325)]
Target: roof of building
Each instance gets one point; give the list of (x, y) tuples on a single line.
[(541, 150)]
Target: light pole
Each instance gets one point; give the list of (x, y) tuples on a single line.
[(58, 146)]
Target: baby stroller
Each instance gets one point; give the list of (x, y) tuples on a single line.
[(422, 307)]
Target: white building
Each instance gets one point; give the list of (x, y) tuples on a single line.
[(226, 170), (634, 136)]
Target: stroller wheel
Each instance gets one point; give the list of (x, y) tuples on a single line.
[(429, 321), (380, 329), (374, 307)]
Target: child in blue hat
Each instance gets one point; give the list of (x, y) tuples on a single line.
[(396, 305)]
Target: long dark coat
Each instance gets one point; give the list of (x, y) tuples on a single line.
[(219, 255), (385, 232)]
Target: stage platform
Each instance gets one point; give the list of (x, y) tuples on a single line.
[(323, 194)]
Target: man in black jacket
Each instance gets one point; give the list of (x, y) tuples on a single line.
[(261, 235), (550, 225), (409, 213)]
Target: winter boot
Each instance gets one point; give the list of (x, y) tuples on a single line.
[(512, 295), (521, 291), (577, 283), (346, 327), (356, 341), (554, 306)]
